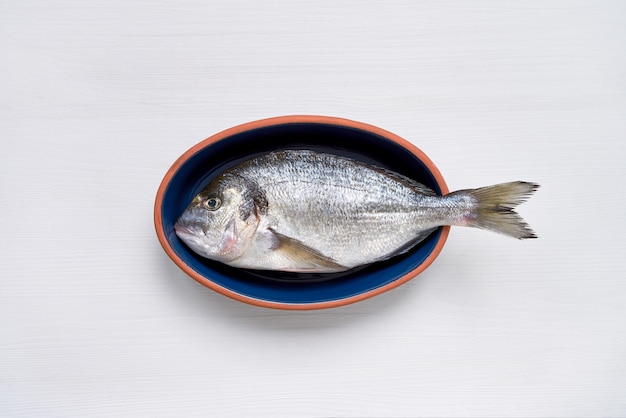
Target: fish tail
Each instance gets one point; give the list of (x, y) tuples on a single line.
[(493, 208)]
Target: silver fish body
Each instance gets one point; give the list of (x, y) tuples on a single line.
[(304, 211)]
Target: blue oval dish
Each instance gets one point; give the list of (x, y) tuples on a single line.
[(199, 165)]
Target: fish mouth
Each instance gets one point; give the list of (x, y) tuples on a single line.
[(183, 230)]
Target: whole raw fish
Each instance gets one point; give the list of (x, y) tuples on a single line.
[(304, 211)]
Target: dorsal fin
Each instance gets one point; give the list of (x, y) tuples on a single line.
[(409, 182)]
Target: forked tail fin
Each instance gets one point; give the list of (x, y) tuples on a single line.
[(494, 208)]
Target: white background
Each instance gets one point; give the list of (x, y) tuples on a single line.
[(97, 100)]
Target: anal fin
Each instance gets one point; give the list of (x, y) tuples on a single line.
[(408, 246)]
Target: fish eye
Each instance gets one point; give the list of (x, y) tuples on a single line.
[(212, 203)]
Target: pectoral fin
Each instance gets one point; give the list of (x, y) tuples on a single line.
[(303, 256)]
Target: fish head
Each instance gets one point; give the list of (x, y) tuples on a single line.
[(221, 220)]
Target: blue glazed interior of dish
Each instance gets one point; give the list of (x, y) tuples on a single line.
[(281, 287)]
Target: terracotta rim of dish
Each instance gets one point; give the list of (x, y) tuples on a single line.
[(283, 120)]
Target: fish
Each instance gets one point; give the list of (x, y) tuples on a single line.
[(305, 211)]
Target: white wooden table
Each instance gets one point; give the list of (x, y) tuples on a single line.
[(97, 99)]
